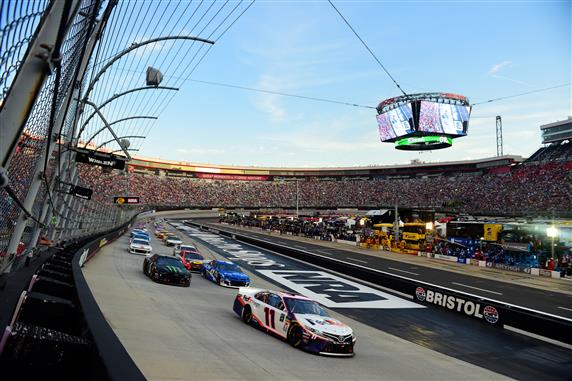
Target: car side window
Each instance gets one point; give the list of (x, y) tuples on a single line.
[(276, 301), (262, 296)]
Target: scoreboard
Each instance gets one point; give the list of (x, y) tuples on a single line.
[(423, 121)]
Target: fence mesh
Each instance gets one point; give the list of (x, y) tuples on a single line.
[(20, 20)]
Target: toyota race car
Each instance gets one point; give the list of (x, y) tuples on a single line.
[(225, 274), (140, 246), (192, 260), (165, 269), (297, 319)]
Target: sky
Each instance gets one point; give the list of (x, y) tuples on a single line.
[(481, 49)]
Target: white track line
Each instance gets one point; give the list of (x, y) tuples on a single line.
[(538, 337), (357, 260), (564, 308), (403, 271), (476, 288)]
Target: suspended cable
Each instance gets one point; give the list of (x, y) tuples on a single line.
[(367, 47), (14, 197), (281, 94), (521, 94)]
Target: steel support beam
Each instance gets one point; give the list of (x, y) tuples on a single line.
[(35, 68), (114, 97), (71, 92), (115, 122)]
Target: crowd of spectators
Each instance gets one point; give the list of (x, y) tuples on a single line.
[(528, 188)]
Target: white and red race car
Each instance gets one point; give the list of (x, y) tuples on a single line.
[(295, 318)]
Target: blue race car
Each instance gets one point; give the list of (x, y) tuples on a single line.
[(225, 274)]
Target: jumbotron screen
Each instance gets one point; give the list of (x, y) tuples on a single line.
[(442, 118), (395, 123), (425, 114)]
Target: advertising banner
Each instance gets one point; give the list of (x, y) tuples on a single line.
[(125, 200), (100, 159), (491, 232), (217, 176), (502, 266), (477, 310)]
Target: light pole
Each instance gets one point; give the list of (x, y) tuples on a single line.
[(552, 232)]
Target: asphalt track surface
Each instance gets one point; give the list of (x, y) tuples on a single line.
[(455, 335), (556, 303), (176, 333)]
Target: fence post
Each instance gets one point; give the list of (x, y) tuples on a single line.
[(31, 76)]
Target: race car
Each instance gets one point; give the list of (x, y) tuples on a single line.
[(225, 274), (192, 260), (173, 240), (297, 319), (136, 235), (166, 269), (178, 248), (140, 246), (160, 233), (135, 232)]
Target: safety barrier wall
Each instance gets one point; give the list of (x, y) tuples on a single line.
[(111, 353), (491, 312), (57, 330)]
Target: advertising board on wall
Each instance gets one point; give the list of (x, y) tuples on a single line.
[(477, 310)]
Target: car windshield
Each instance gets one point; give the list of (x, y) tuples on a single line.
[(169, 262), (193, 255), (228, 267), (140, 242), (301, 306)]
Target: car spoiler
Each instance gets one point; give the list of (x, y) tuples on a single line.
[(249, 290)]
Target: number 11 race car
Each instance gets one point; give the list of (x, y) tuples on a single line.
[(299, 320)]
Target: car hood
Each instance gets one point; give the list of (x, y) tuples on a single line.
[(139, 246), (173, 270), (324, 324), (234, 275)]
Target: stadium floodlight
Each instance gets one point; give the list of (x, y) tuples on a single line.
[(154, 77), (552, 232), (124, 143)]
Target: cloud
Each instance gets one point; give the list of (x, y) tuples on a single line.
[(498, 67)]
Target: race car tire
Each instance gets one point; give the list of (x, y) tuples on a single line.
[(247, 315), (218, 280), (295, 335), (144, 268), (153, 274)]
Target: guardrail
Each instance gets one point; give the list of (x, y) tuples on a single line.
[(492, 312), (57, 330)]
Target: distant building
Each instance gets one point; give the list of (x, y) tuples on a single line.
[(557, 131)]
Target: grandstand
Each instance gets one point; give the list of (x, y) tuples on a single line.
[(491, 186)]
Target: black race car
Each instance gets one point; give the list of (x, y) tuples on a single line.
[(166, 269)]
